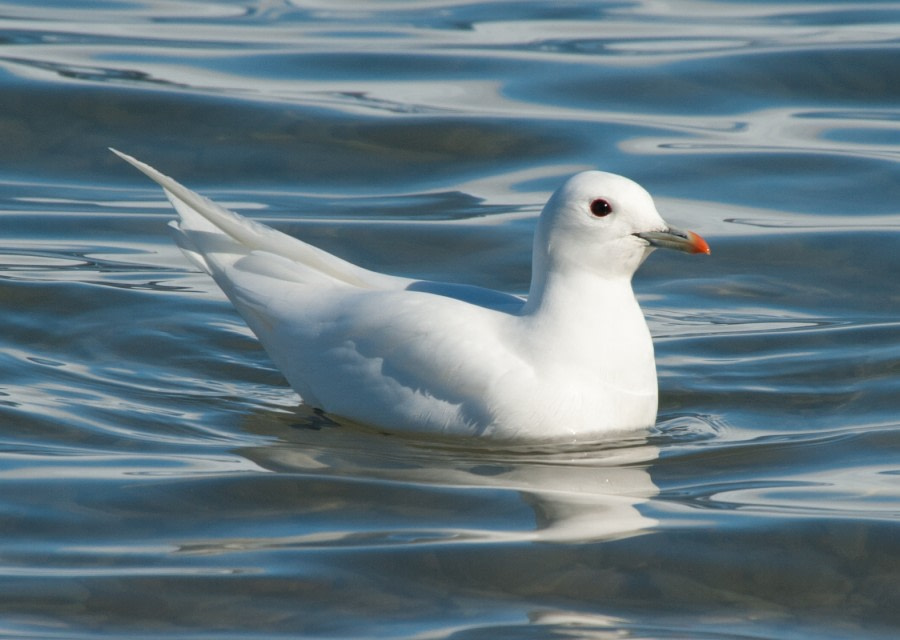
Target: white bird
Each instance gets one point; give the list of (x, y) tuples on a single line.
[(572, 361)]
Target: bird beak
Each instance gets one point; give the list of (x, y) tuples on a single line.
[(676, 239)]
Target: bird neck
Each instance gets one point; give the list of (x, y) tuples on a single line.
[(581, 297), (591, 328)]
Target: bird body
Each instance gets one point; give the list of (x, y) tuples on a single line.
[(574, 359)]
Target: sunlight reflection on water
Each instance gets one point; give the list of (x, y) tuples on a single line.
[(158, 463)]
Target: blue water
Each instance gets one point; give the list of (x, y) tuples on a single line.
[(158, 478)]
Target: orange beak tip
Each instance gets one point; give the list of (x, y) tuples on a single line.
[(700, 245)]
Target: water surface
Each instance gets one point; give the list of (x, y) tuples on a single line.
[(159, 476)]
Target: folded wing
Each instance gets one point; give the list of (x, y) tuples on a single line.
[(355, 342)]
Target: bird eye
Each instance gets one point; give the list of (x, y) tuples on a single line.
[(600, 208)]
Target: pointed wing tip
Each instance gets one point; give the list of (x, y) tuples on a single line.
[(158, 177), (130, 160), (124, 156)]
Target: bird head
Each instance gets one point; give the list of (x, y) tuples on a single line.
[(605, 224)]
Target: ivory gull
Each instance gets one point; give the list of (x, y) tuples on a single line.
[(573, 360)]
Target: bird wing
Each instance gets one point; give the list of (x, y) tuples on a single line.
[(405, 358), (352, 341), (206, 229)]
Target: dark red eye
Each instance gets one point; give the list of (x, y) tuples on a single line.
[(600, 208)]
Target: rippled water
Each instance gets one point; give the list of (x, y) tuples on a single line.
[(159, 478)]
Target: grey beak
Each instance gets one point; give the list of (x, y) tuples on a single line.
[(675, 239)]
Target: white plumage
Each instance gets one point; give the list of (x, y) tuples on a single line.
[(573, 360)]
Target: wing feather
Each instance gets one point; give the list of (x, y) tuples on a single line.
[(200, 214)]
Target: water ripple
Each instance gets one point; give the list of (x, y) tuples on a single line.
[(161, 476)]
